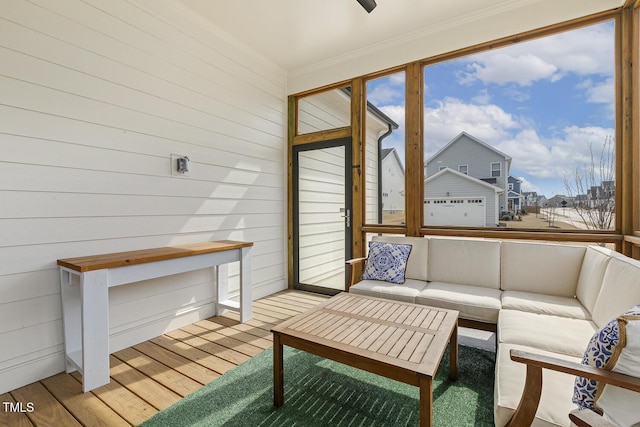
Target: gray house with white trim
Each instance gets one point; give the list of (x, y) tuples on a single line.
[(470, 156), (455, 198)]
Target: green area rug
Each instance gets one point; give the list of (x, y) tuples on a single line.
[(320, 392)]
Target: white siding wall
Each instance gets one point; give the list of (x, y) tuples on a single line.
[(95, 96), (393, 181), (371, 177), (323, 111)]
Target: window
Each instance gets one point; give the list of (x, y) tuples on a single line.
[(510, 186), (323, 111), (495, 170), (385, 158), (531, 111)]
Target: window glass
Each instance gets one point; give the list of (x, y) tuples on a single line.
[(324, 111), (385, 150), (495, 170), (534, 122)]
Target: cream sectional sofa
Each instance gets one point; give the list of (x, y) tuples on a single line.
[(542, 298)]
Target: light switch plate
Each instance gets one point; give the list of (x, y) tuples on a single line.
[(174, 165)]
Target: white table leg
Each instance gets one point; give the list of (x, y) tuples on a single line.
[(95, 329), (221, 287), (245, 284), (71, 316)]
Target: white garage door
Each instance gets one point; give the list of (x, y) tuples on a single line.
[(461, 211)]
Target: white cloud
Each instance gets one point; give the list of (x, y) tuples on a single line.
[(502, 68), (533, 155), (386, 90), (601, 93), (556, 157), (395, 112), (483, 97), (527, 186), (583, 51), (384, 94), (451, 116), (516, 94)]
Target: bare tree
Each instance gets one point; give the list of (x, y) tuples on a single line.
[(593, 188)]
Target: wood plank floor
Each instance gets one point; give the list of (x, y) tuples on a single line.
[(151, 376)]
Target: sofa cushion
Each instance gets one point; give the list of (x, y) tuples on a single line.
[(375, 288), (557, 389), (544, 304), (473, 302), (417, 263), (594, 266), (620, 289), (386, 261), (541, 268), (465, 261), (551, 333), (615, 347)]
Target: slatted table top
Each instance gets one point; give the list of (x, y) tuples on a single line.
[(401, 335), (120, 259)]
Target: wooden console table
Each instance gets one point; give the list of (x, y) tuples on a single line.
[(85, 282)]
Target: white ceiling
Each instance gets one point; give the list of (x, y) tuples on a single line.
[(298, 33), (303, 35)]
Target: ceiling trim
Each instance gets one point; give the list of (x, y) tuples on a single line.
[(419, 47)]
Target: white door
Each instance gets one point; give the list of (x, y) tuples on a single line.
[(460, 211), (322, 215)]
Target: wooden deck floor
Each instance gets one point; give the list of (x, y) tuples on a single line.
[(151, 376)]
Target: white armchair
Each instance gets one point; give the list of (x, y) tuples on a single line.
[(526, 410)]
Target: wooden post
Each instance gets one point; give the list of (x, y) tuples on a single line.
[(292, 114), (358, 134), (414, 145)]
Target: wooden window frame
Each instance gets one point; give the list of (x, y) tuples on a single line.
[(625, 236)]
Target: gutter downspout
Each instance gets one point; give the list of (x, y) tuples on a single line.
[(380, 138)]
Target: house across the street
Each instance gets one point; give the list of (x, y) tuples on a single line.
[(467, 183)]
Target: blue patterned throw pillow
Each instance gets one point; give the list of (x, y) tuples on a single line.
[(387, 261), (614, 348)]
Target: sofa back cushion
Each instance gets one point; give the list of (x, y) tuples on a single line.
[(620, 289), (472, 262), (542, 268), (594, 266), (417, 262)]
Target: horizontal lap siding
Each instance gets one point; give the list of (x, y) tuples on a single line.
[(95, 97)]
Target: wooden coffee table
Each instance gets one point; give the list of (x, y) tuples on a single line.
[(397, 340)]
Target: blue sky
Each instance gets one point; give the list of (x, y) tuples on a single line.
[(542, 102)]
